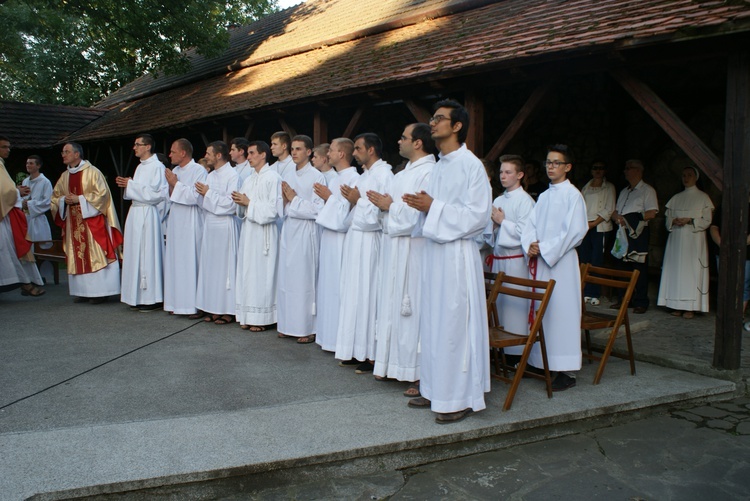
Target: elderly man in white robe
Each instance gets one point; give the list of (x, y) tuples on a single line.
[(217, 269), (259, 204), (398, 308), (456, 207), (334, 220), (360, 275), (684, 276), (17, 267), (184, 230), (510, 212), (555, 228), (36, 192), (299, 246), (143, 248)]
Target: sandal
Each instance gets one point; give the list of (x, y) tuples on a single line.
[(688, 315), (452, 417), (306, 340), (32, 290), (224, 319), (256, 328), (676, 313), (211, 318), (197, 316), (283, 336), (413, 390)]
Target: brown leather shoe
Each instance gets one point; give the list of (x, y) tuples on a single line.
[(419, 402), (639, 310), (615, 306), (452, 417)]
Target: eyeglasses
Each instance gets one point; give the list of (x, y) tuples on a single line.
[(140, 144), (437, 119), (555, 163)]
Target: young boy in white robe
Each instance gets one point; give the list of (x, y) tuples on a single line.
[(555, 228), (299, 246), (398, 310), (320, 161), (143, 248), (184, 230), (36, 191), (259, 204), (334, 220), (456, 207), (360, 278), (510, 211)]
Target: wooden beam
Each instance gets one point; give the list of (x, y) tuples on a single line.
[(320, 128), (354, 122), (206, 142), (675, 128), (249, 130), (225, 135), (522, 118), (421, 114), (475, 106), (286, 127), (734, 215)]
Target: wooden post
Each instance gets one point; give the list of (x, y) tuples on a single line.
[(419, 113), (475, 107), (704, 158), (320, 129), (522, 118), (734, 215), (287, 128), (249, 130), (354, 122)]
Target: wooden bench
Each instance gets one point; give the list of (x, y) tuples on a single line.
[(54, 254)]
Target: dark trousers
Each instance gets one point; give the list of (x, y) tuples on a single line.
[(591, 251), (640, 294)]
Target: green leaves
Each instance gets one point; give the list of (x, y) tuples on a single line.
[(76, 51)]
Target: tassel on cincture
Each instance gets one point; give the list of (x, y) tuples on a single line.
[(406, 306), (144, 283), (229, 283), (314, 309)]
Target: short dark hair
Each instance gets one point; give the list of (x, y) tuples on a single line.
[(516, 160), (304, 139), (147, 139), (458, 114), (185, 145), (422, 132), (562, 149), (77, 148), (284, 138), (372, 141), (241, 144), (35, 158), (262, 147), (221, 148)]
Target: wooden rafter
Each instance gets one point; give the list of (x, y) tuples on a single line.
[(522, 118), (675, 128), (354, 122), (475, 138), (421, 114), (320, 128)]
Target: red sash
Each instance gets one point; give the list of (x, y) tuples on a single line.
[(20, 227)]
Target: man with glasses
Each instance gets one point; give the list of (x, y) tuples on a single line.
[(143, 250), (636, 206), (456, 208), (599, 195), (82, 205), (555, 228)]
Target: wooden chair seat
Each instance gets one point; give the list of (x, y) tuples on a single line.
[(54, 254), (500, 338), (591, 320)]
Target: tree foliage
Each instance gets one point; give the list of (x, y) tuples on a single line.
[(77, 51)]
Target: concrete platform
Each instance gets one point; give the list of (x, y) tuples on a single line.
[(98, 399)]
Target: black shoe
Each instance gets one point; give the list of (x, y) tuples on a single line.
[(562, 382), (615, 306), (349, 363), (365, 368), (534, 370), (79, 299), (512, 360), (145, 308), (99, 300), (639, 310)]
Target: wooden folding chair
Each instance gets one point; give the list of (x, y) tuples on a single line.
[(489, 281), (54, 253), (616, 279), (540, 292)]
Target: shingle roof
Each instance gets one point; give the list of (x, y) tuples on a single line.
[(500, 33), (34, 126)]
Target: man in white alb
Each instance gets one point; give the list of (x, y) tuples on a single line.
[(320, 161), (299, 246), (510, 212), (555, 228), (360, 272), (36, 192), (259, 204), (184, 230), (217, 294), (398, 309), (143, 249), (238, 154), (334, 220), (456, 207)]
